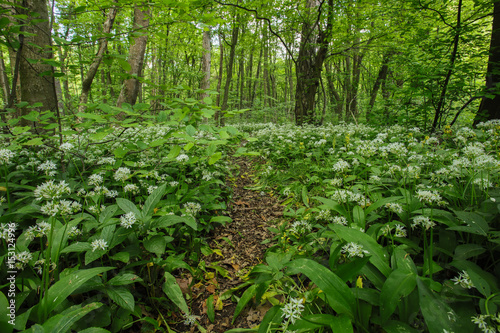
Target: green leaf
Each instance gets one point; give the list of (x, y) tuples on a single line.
[(170, 220), (333, 205), (91, 116), (393, 326), (400, 283), (466, 251), (380, 203), (120, 152), (358, 216), (94, 330), (482, 280), (245, 298), (338, 294), (62, 323), (377, 252), (122, 297), (77, 247), (305, 198), (34, 142), (221, 219), (476, 223), (153, 200), (272, 318), (339, 324), (128, 206), (173, 291), (4, 21), (124, 279), (214, 158), (437, 314), (223, 134), (190, 130), (61, 290), (210, 308), (174, 152), (155, 244)]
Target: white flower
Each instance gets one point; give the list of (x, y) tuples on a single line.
[(106, 160), (6, 155), (394, 207), (339, 220), (66, 146), (400, 231), (429, 196), (47, 166), (192, 208), (99, 244), (293, 309), (423, 221), (22, 259), (354, 250), (50, 191), (95, 179), (122, 174), (74, 231), (189, 319), (464, 280), (151, 188), (128, 220), (341, 166), (131, 188), (182, 158)]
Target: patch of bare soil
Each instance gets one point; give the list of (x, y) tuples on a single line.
[(238, 248)]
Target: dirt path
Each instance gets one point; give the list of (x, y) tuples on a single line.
[(239, 246)]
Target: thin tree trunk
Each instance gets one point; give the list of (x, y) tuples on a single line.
[(103, 45), (130, 88), (205, 64), (382, 75), (4, 80), (453, 57), (221, 70), (229, 77)]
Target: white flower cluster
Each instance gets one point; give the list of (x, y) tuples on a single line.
[(48, 167), (344, 196), (122, 174), (63, 207), (354, 250), (192, 208), (95, 179), (22, 259), (182, 158), (463, 279), (99, 244), (422, 221), (300, 227), (38, 230), (429, 196), (131, 188), (293, 309), (341, 166), (51, 191), (481, 322), (394, 207), (128, 220), (6, 155)]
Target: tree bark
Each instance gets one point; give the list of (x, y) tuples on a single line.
[(312, 53), (36, 76), (382, 75), (205, 64), (130, 88), (4, 80), (229, 77), (490, 105), (103, 45)]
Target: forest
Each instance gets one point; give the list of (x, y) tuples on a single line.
[(250, 166)]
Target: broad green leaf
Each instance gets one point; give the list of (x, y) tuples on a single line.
[(153, 200), (61, 290), (377, 252), (173, 291), (188, 146), (120, 152), (438, 315), (122, 296), (358, 216), (94, 330), (245, 298), (399, 284), (77, 247), (475, 223), (272, 318), (155, 244), (170, 220), (190, 130), (124, 279), (174, 152), (62, 323), (339, 324), (393, 326), (210, 308), (466, 251), (221, 219), (333, 205), (380, 203), (92, 116), (482, 280), (128, 206), (34, 142), (348, 271), (214, 158), (223, 134), (305, 198), (338, 294)]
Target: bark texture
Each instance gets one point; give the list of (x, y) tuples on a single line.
[(130, 88), (103, 46), (490, 105)]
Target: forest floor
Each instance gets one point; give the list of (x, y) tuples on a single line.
[(240, 246)]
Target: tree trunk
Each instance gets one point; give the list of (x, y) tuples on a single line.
[(229, 77), (205, 64), (310, 63), (103, 45), (4, 80), (453, 57), (490, 105), (219, 79), (130, 88), (382, 75), (37, 80)]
